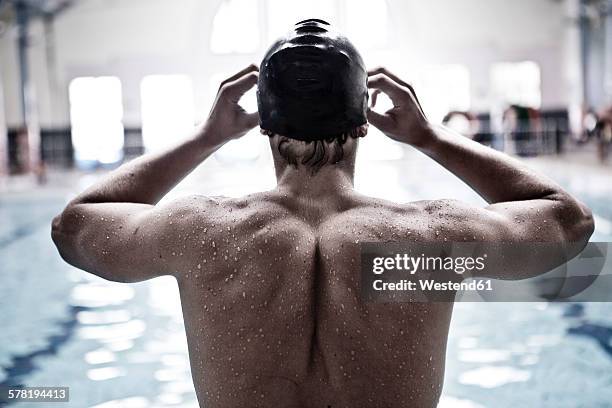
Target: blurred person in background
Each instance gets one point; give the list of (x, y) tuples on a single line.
[(522, 124), (465, 123), (603, 133)]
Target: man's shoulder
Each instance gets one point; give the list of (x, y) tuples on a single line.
[(416, 218), (422, 208), (235, 212)]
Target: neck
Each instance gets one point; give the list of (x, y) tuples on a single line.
[(328, 181)]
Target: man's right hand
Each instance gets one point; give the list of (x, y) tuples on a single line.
[(227, 119), (405, 121)]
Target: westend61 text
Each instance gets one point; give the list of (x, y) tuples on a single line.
[(433, 285)]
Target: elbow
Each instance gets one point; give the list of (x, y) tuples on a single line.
[(573, 217), (56, 229), (585, 223), (63, 235), (579, 223)]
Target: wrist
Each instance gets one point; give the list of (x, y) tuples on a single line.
[(428, 138), (206, 141)]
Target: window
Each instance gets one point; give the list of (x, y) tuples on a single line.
[(516, 83), (167, 110), (235, 27), (96, 113)]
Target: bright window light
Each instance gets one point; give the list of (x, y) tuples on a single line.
[(167, 110), (516, 83), (96, 112), (443, 88), (282, 14), (367, 23), (235, 28)]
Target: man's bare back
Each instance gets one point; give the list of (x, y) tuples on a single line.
[(271, 303), (269, 283)]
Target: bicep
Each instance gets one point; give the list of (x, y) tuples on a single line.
[(123, 242)]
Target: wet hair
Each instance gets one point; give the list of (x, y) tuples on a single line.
[(315, 153)]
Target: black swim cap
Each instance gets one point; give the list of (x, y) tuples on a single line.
[(312, 84)]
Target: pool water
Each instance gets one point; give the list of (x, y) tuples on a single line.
[(123, 345)]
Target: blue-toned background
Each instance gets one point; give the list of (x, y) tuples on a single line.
[(123, 345)]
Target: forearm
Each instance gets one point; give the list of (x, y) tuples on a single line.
[(148, 178), (524, 205), (507, 184), (494, 175)]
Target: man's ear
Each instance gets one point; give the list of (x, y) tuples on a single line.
[(360, 131)]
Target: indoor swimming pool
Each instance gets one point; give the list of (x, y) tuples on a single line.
[(120, 345)]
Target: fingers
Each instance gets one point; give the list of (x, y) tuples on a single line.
[(374, 97), (251, 120), (235, 89), (394, 78), (385, 71), (383, 83), (379, 120), (250, 68)]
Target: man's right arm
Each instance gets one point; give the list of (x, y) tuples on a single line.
[(524, 206)]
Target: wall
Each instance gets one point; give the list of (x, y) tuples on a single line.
[(134, 38)]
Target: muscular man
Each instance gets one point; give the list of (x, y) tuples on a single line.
[(269, 282)]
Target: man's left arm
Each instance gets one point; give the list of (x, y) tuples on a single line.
[(115, 229)]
